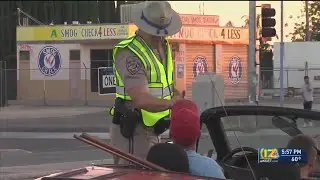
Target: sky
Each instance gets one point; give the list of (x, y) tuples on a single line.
[(234, 10)]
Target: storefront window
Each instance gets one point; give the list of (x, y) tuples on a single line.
[(98, 58)]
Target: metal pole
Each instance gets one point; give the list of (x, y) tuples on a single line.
[(85, 84), (307, 22), (281, 57), (1, 85), (252, 51)]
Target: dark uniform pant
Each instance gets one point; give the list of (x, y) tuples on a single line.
[(144, 138), (308, 106)]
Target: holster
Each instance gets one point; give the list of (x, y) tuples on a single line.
[(161, 126), (127, 117)]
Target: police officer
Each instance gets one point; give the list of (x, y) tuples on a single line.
[(144, 78)]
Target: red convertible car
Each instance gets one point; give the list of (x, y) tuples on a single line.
[(239, 163)]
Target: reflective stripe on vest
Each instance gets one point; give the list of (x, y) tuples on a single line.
[(159, 84), (157, 92)]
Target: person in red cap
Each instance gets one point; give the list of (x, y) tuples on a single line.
[(184, 131)]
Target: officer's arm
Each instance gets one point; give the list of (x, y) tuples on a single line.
[(134, 78)]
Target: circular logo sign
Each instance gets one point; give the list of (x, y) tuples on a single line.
[(199, 65), (49, 61), (235, 70)]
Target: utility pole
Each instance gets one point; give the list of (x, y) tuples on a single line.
[(2, 84), (281, 57), (307, 22), (252, 52)]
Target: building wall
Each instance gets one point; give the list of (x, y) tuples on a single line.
[(85, 74), (298, 57), (72, 82), (217, 58), (33, 85), (234, 89), (194, 52), (180, 66)]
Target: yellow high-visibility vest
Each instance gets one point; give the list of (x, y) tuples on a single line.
[(160, 82)]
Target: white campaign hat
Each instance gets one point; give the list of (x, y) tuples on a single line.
[(156, 18)]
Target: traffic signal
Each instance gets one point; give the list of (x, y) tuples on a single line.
[(268, 22)]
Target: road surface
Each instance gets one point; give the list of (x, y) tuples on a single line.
[(35, 154), (39, 139)]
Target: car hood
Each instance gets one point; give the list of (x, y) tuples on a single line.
[(121, 173)]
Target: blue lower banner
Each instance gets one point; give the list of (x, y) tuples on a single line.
[(281, 155)]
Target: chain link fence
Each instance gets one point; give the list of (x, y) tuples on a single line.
[(77, 86), (293, 80)]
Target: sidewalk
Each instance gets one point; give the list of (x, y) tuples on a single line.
[(53, 119), (19, 111)]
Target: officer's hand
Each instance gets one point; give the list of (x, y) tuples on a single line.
[(176, 98)]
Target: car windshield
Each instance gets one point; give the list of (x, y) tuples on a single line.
[(268, 131), (258, 131)]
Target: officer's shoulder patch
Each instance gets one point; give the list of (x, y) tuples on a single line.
[(133, 64)]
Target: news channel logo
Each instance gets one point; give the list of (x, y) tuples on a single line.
[(281, 155)]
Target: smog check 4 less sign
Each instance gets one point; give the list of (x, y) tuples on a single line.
[(75, 32)]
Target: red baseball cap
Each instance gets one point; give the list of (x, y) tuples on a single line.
[(185, 122)]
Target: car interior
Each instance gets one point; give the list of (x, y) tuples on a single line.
[(241, 163)]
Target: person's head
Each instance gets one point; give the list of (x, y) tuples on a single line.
[(309, 146), (185, 123), (306, 79), (156, 19), (169, 156)]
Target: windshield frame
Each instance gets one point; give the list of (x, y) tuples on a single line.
[(212, 118)]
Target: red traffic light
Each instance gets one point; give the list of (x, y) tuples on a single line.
[(268, 12), (268, 22), (268, 32)]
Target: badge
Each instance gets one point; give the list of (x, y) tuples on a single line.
[(133, 65)]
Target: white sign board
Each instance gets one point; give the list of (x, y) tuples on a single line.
[(49, 62), (106, 81)]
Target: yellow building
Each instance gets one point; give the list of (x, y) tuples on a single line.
[(59, 64)]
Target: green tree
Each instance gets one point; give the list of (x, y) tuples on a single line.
[(75, 11), (93, 12), (299, 30), (57, 17), (107, 12), (82, 11), (118, 14)]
